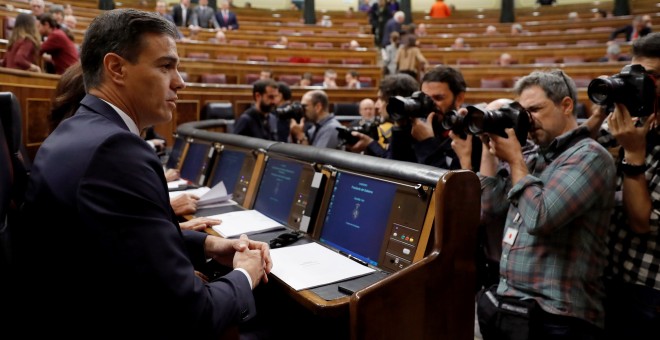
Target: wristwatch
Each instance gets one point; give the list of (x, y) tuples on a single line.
[(632, 169)]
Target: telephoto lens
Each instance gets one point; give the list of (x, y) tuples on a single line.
[(480, 120), (418, 105), (632, 87)]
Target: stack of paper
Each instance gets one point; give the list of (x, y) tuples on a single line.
[(311, 265), (244, 222), (208, 197)]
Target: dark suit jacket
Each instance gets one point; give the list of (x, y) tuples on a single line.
[(111, 252), (628, 31), (231, 21), (177, 15)]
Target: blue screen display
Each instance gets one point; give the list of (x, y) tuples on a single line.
[(277, 189), (228, 169), (357, 215), (175, 153), (195, 161)]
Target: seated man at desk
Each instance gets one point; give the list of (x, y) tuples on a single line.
[(122, 264)]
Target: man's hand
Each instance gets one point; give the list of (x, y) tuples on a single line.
[(297, 129), (253, 256), (362, 143), (422, 130), (199, 223), (631, 138), (508, 150), (172, 175), (463, 149), (184, 204)]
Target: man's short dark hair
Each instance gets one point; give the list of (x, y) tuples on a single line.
[(647, 46), (285, 90), (260, 86), (319, 96), (119, 31), (47, 18), (399, 84), (445, 74)]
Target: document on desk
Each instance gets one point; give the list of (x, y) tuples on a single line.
[(208, 197), (311, 265), (244, 222), (176, 184)]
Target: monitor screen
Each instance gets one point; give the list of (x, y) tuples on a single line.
[(277, 189), (228, 169), (175, 153), (356, 220), (195, 162)]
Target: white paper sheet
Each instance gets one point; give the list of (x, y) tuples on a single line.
[(311, 265), (244, 222)]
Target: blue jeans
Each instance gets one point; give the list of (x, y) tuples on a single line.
[(631, 311)]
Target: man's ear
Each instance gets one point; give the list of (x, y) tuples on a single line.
[(567, 106), (460, 98), (114, 67)]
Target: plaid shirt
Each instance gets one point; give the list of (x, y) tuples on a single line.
[(556, 222), (635, 258)]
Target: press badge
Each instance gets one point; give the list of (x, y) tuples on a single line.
[(511, 233)]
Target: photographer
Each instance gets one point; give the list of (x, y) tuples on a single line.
[(391, 86), (257, 121), (557, 204), (632, 276), (446, 87), (283, 100), (323, 132)]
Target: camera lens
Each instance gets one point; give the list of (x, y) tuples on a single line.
[(600, 91), (476, 121)]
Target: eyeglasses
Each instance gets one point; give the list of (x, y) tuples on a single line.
[(568, 87)]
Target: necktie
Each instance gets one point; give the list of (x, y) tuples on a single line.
[(225, 15)]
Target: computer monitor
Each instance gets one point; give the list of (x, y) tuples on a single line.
[(197, 156), (175, 153), (227, 168), (376, 220), (288, 192)]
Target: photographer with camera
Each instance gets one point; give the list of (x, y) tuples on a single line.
[(446, 87), (257, 121), (557, 204), (402, 85), (322, 133), (629, 102)]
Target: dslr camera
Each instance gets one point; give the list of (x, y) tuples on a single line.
[(418, 105), (294, 110), (632, 87), (369, 128), (479, 120)]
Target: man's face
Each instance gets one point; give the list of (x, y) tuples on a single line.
[(224, 5), (266, 102), (44, 30), (652, 67), (161, 7), (310, 110), (264, 75), (203, 2), (70, 21), (152, 82), (442, 97), (185, 3), (367, 110), (37, 8), (330, 78), (550, 119)]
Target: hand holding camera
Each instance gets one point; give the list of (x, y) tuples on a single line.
[(479, 120)]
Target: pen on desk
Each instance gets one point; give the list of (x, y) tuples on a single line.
[(354, 258)]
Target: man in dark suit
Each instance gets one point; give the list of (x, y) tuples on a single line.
[(633, 31), (204, 16), (182, 14), (226, 18), (118, 263)]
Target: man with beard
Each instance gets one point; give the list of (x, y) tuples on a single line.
[(257, 121), (446, 87)]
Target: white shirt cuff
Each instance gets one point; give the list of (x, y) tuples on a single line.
[(246, 275)]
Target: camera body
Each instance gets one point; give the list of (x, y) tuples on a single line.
[(418, 105), (479, 120), (294, 110), (369, 128), (632, 87)]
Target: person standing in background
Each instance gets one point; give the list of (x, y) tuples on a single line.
[(24, 44), (439, 10)]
